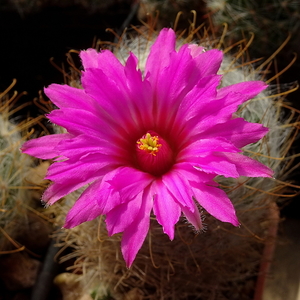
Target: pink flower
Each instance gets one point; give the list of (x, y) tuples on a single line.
[(148, 142)]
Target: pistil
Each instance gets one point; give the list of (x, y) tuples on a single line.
[(154, 154)]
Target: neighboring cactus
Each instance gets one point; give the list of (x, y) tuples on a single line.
[(15, 192), (167, 10), (222, 262), (270, 21)]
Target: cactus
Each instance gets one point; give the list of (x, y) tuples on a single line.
[(270, 21), (167, 11), (14, 167), (221, 262)]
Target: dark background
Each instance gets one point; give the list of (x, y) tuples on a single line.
[(27, 42)]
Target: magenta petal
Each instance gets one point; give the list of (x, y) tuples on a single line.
[(160, 52), (218, 111), (81, 169), (89, 58), (120, 217), (215, 202), (70, 97), (81, 122), (110, 65), (173, 83), (112, 97), (140, 94), (85, 208), (69, 176), (209, 62), (180, 90), (131, 94), (215, 164), (105, 93), (238, 131), (248, 89), (199, 97), (45, 146), (105, 61), (165, 208), (179, 187), (119, 187), (135, 234), (196, 50), (214, 112), (107, 197), (84, 144), (202, 147), (131, 68), (247, 166), (193, 217), (129, 181), (190, 173), (57, 190)]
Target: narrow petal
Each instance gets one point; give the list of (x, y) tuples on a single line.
[(120, 217), (238, 131), (209, 62), (202, 147), (129, 182), (188, 171), (215, 164), (84, 144), (218, 111), (69, 176), (107, 197), (165, 208), (120, 186), (119, 84), (45, 146), (193, 217), (135, 234), (85, 208), (105, 61), (159, 56), (89, 58), (179, 187), (57, 190), (139, 92), (78, 122), (71, 168), (196, 50), (198, 97), (70, 97), (173, 83), (248, 89), (215, 202), (113, 98), (247, 166)]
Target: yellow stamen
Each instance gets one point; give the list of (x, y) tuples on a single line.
[(149, 143)]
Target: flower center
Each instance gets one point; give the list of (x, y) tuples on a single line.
[(154, 154), (149, 144)]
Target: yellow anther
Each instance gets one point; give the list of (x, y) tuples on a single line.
[(149, 143)]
